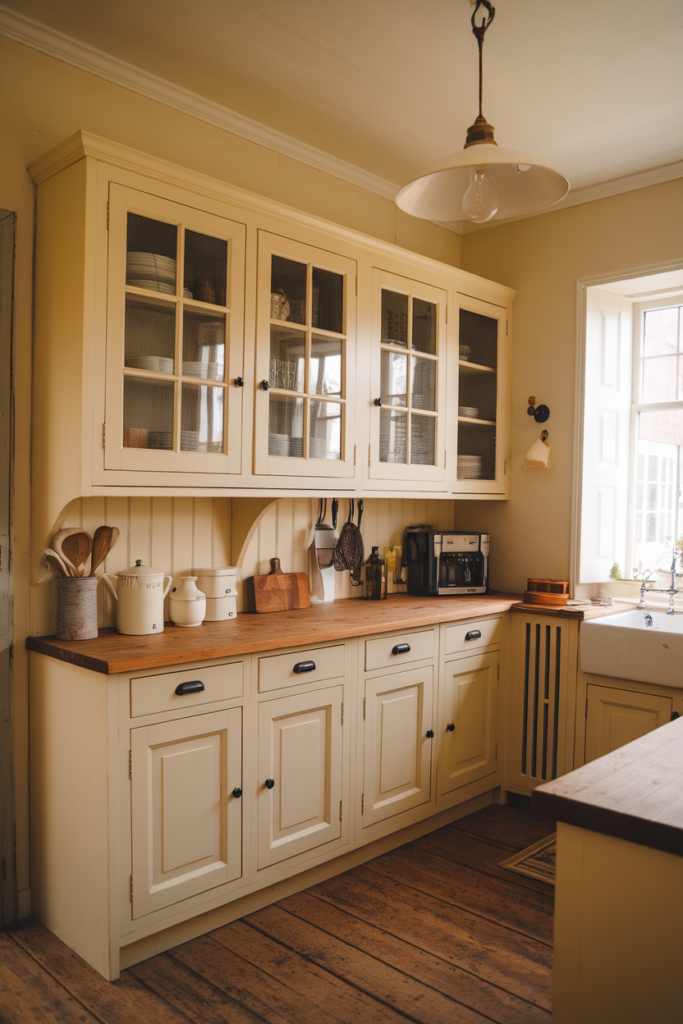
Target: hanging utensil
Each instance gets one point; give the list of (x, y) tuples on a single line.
[(340, 548), (48, 553), (102, 543), (78, 548), (357, 553), (335, 510)]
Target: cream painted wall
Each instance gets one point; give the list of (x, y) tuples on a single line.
[(44, 102), (543, 258)]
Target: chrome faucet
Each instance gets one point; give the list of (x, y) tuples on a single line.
[(656, 590)]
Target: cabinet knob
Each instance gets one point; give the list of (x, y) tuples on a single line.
[(270, 783), (239, 382), (430, 734), (265, 385), (237, 792), (378, 402), (304, 666), (674, 714), (400, 649), (196, 686), (450, 727)]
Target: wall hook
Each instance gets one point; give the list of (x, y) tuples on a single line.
[(540, 413), (544, 435)]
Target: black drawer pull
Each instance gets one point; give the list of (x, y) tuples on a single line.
[(237, 792), (473, 634), (430, 734), (270, 783), (400, 649), (304, 666), (450, 727), (196, 686)]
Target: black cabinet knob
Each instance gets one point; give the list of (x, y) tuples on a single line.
[(304, 666), (239, 382), (265, 385), (237, 792), (450, 727), (270, 783), (378, 402), (196, 686), (430, 734), (400, 649)]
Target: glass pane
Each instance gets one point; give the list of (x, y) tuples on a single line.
[(325, 371), (286, 426), (476, 452), (394, 318), (393, 390), (392, 435), (147, 413), (288, 290), (328, 301), (477, 394), (201, 428), (203, 345), (287, 359), (424, 326), (324, 430), (423, 383), (659, 503), (479, 335), (661, 332), (422, 440), (660, 379), (150, 336), (206, 268), (151, 254)]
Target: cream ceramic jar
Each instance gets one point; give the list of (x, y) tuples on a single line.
[(139, 596), (187, 604)]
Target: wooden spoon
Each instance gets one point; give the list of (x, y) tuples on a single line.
[(103, 541), (77, 548), (57, 542)]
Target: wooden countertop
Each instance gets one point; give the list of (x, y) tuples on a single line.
[(249, 632), (582, 611), (634, 793)]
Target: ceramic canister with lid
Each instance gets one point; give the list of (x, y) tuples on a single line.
[(187, 603), (220, 586), (139, 596)]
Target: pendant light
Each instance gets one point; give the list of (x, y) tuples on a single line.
[(483, 180)]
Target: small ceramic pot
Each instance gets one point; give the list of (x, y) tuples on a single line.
[(187, 605)]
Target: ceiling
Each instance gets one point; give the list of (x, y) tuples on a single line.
[(594, 90)]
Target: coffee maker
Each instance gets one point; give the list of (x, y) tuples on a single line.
[(443, 563)]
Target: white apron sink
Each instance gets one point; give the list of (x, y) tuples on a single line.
[(624, 647)]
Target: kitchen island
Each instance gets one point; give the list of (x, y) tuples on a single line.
[(619, 887)]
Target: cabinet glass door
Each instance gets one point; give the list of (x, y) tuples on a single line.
[(304, 360), (407, 434), (480, 464), (174, 345)]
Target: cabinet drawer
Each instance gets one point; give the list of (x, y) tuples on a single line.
[(389, 651), (152, 694), (289, 669), (489, 631)]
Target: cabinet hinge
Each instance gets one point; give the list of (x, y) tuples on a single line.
[(107, 216), (506, 328), (586, 712), (365, 702), (340, 810), (369, 450), (496, 751), (131, 888), (104, 433), (354, 454), (362, 805), (498, 673), (130, 764), (505, 468), (342, 713)]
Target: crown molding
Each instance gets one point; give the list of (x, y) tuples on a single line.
[(56, 44)]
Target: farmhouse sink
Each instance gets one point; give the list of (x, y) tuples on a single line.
[(623, 646)]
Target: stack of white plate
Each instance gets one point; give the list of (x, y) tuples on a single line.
[(469, 467), (470, 412), (162, 439), (317, 448), (210, 446), (149, 270), (208, 371), (157, 364), (189, 440), (422, 450), (296, 447), (278, 444)]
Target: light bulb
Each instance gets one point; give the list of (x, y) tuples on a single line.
[(480, 202)]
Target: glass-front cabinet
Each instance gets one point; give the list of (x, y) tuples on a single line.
[(408, 381), (482, 397), (174, 337), (305, 359)]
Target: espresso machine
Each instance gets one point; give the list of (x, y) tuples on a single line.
[(443, 563)]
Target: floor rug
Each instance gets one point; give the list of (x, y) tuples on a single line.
[(537, 861)]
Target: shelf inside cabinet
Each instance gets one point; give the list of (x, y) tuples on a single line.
[(468, 419), (467, 367)]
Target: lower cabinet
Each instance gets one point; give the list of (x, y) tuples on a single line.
[(468, 720), (397, 750), (615, 717), (299, 784), (186, 808)]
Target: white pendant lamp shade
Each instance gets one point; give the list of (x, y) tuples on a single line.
[(520, 184)]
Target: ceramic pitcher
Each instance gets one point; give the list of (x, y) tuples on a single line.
[(139, 596)]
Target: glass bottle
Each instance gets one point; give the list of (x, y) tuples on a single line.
[(375, 582)]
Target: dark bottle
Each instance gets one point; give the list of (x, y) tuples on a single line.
[(375, 586)]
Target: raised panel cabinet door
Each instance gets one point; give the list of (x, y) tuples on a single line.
[(300, 774), (615, 717), (175, 338), (187, 824), (398, 752), (468, 722)]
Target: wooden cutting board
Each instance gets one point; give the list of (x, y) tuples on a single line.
[(278, 591)]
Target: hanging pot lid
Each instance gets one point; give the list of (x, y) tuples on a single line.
[(140, 570)]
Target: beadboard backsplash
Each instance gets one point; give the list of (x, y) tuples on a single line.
[(178, 535)]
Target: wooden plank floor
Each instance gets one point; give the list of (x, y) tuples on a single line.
[(434, 932)]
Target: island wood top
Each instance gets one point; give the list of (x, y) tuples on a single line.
[(634, 793), (113, 652)]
